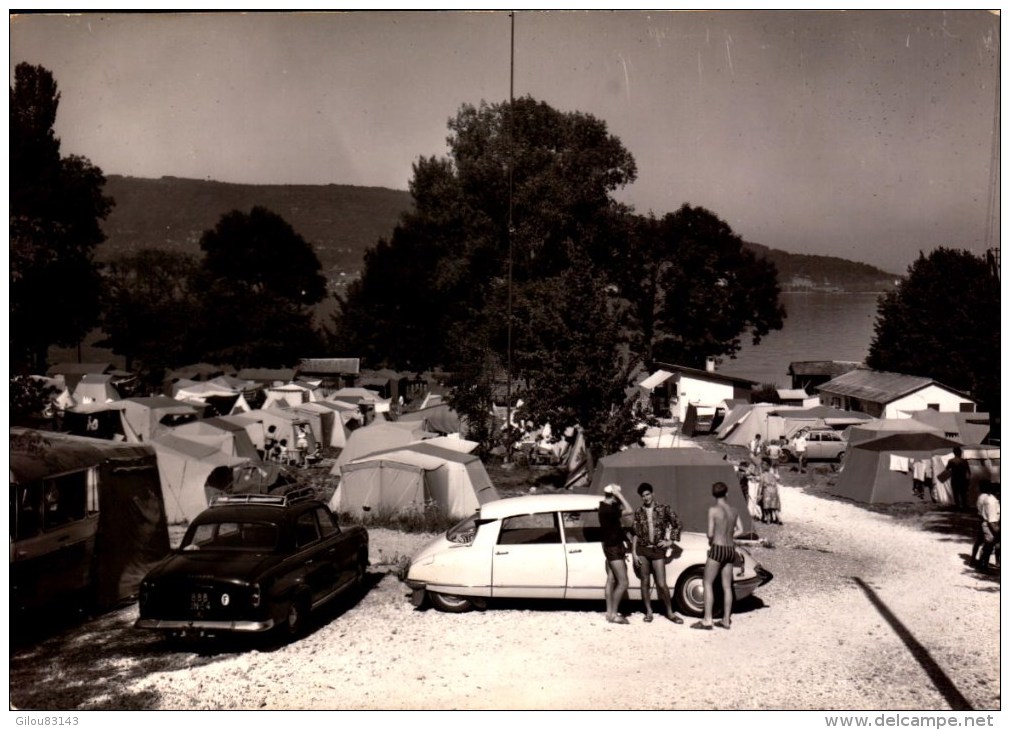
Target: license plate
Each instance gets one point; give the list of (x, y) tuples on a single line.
[(199, 601)]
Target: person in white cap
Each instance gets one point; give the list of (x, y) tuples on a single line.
[(615, 549)]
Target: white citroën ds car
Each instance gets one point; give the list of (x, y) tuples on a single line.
[(548, 546)]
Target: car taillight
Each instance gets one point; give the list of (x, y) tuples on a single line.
[(255, 597)]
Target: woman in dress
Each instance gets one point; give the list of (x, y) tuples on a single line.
[(770, 503)]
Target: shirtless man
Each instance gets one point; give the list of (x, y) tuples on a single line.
[(722, 524)]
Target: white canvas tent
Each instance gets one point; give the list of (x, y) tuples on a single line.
[(378, 436), (188, 469), (290, 395), (757, 419), (95, 388), (411, 478), (332, 431)]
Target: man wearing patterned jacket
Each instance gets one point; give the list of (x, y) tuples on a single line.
[(655, 529)]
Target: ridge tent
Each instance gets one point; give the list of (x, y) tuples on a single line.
[(192, 471), (439, 418), (868, 475), (95, 388), (289, 395), (378, 436), (147, 418), (681, 478), (97, 420), (236, 441), (86, 514), (968, 428), (737, 413), (332, 431), (767, 419), (880, 427), (413, 477)]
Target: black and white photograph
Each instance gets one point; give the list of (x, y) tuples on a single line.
[(500, 360)]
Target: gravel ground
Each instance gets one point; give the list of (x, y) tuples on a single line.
[(867, 611)]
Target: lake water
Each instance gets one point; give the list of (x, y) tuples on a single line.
[(818, 326)]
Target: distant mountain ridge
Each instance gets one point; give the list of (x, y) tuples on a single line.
[(342, 221)]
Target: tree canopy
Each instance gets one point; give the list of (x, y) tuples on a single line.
[(56, 209), (942, 322), (595, 290), (694, 289), (258, 280), (149, 306)]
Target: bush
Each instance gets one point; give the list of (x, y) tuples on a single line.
[(431, 518)]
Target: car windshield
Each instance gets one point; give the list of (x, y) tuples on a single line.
[(259, 537), (463, 531)]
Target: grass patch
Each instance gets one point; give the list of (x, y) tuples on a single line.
[(430, 519)]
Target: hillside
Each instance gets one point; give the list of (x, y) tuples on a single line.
[(341, 221)]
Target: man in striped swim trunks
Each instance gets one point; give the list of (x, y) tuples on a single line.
[(722, 524)]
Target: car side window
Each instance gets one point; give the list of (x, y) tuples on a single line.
[(306, 529), (535, 529), (582, 526), (327, 525)]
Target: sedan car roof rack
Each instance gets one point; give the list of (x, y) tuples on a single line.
[(281, 500)]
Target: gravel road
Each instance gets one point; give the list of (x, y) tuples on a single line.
[(867, 611)]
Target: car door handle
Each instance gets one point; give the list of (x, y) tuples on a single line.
[(501, 552), (572, 552), (309, 562)]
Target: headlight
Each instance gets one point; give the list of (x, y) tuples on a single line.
[(225, 599)]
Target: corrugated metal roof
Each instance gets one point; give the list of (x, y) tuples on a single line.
[(834, 368), (330, 365), (876, 386)]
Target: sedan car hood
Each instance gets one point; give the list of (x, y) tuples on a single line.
[(214, 564)]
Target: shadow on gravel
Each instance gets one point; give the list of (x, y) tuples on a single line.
[(48, 676), (47, 656), (920, 653)]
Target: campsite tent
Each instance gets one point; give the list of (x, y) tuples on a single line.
[(411, 478), (872, 471), (967, 428), (439, 418), (332, 431), (292, 394), (880, 427), (95, 388), (192, 471), (766, 419), (106, 489), (681, 478), (96, 420), (378, 436), (233, 438), (146, 418)]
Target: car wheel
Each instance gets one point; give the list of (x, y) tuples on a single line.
[(690, 592), (296, 617), (841, 455), (449, 603), (785, 457)]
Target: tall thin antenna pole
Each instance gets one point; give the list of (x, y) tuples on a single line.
[(511, 231)]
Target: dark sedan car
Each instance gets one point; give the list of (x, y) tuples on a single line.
[(252, 563)]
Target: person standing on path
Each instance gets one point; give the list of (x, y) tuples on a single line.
[(960, 475), (655, 529), (801, 451), (756, 449), (722, 524), (989, 528), (614, 549), (770, 501)]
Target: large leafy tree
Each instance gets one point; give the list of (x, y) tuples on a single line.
[(447, 260), (942, 322), (56, 209), (693, 289), (149, 307), (258, 281)]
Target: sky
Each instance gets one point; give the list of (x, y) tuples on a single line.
[(866, 135)]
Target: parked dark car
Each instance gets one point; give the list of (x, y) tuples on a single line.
[(252, 563)]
